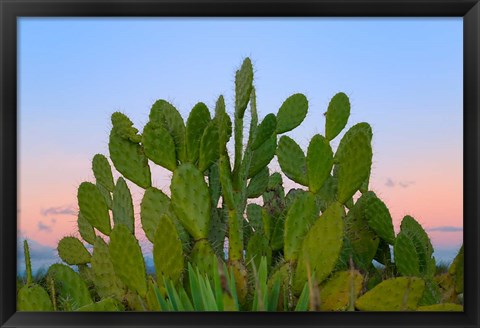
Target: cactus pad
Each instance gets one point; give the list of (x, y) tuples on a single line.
[(258, 184), (72, 251), (197, 122), (69, 285), (264, 130), (154, 204), (443, 307), (340, 291), (292, 113), (85, 229), (396, 294), (262, 155), (300, 217), (130, 269), (354, 159), (319, 162), (379, 219), (167, 251), (406, 257), (106, 282), (93, 207), (122, 207), (243, 87), (292, 160), (191, 200), (105, 305), (102, 171), (337, 115), (321, 247), (33, 298), (159, 145), (209, 146)]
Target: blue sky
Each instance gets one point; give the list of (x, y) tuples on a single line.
[(403, 76)]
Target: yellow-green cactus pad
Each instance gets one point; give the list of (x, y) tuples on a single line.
[(300, 217), (337, 115), (93, 207), (127, 259), (319, 162), (257, 247), (105, 305), (72, 251), (321, 247), (166, 115), (159, 145), (340, 291), (395, 294), (167, 251), (406, 257), (243, 87), (292, 113), (33, 298), (69, 285), (201, 251), (106, 282), (224, 124), (292, 160), (85, 229), (122, 207), (264, 130), (443, 307), (102, 171), (354, 160), (191, 200), (209, 146), (197, 122)]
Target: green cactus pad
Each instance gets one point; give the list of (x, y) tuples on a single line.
[(258, 184), (209, 146), (107, 196), (354, 159), (93, 207), (363, 240), (123, 127), (224, 124), (243, 87), (191, 200), (129, 159), (319, 162), (166, 115), (443, 307), (383, 255), (72, 251), (122, 208), (321, 247), (217, 230), (396, 294), (69, 285), (423, 246), (265, 130), (292, 113), (154, 204), (105, 305), (33, 298), (337, 115), (456, 270), (197, 122), (85, 229), (159, 145), (130, 269), (258, 247), (300, 217), (262, 156), (379, 219), (167, 251), (254, 215), (431, 294), (292, 160), (201, 251), (106, 282), (406, 257), (102, 171), (278, 232), (342, 289), (328, 193), (226, 181)]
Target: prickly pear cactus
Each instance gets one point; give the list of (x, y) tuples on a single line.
[(72, 251), (93, 207)]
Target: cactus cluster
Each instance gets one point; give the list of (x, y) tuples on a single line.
[(309, 248)]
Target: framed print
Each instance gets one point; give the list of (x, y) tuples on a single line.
[(239, 163)]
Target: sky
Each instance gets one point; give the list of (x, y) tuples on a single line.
[(402, 75)]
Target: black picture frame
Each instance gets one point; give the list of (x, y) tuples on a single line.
[(10, 10)]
